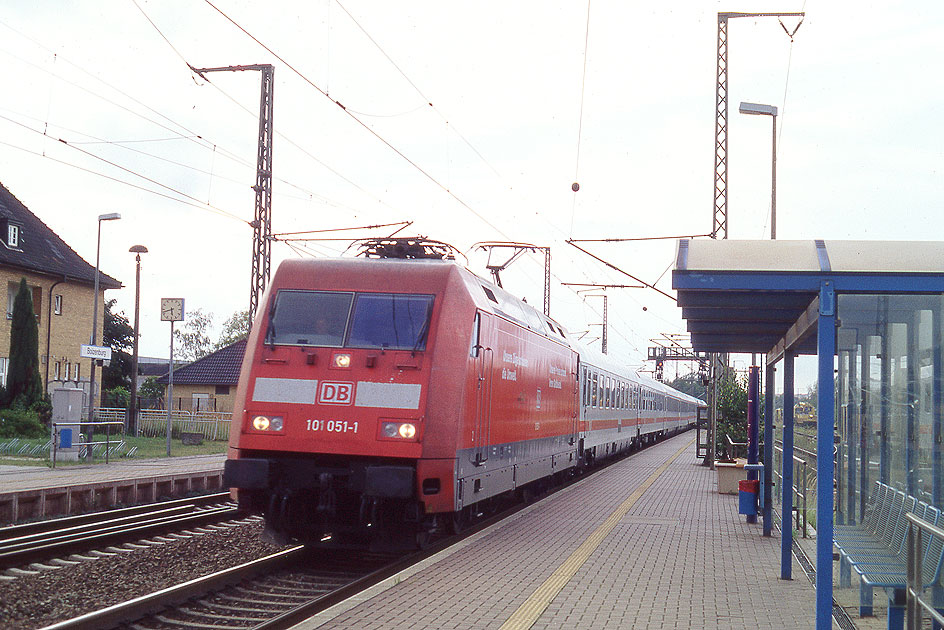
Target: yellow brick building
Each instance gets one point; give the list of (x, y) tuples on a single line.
[(62, 285), (209, 383)]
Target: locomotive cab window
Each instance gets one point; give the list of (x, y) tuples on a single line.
[(309, 318), (390, 320), (363, 320)]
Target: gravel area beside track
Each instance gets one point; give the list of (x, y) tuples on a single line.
[(39, 600)]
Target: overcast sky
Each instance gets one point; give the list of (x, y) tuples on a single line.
[(482, 105)]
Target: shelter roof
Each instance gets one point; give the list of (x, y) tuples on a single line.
[(750, 296)]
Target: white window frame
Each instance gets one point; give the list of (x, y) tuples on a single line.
[(57, 304), (13, 235)]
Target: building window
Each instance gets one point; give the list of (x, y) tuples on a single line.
[(3, 371), (58, 305), (200, 401), (11, 297), (77, 366), (58, 371), (13, 235), (35, 292), (222, 390)]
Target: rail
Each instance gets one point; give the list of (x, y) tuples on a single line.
[(915, 603), (799, 496)]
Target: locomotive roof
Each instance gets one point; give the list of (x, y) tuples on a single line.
[(486, 295)]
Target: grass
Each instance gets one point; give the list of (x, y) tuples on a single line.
[(148, 448)]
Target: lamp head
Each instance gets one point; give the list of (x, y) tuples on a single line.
[(757, 109), (138, 249), (111, 216)]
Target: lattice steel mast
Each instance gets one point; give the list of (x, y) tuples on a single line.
[(262, 219), (720, 212)]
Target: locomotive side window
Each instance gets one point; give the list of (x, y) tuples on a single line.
[(476, 332), (311, 318), (390, 320)]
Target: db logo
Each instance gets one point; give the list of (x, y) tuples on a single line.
[(335, 393)]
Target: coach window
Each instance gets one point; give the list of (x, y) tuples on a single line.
[(593, 389)]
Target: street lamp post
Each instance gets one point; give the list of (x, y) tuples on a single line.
[(756, 109), (111, 216), (137, 250)]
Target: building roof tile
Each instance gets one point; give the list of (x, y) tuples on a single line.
[(218, 368), (39, 249)]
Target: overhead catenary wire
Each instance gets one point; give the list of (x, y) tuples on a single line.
[(187, 133), (200, 206), (423, 96), (353, 117), (583, 88)]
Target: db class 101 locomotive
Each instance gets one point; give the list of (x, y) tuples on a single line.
[(383, 401)]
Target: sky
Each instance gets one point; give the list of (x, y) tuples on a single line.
[(471, 120)]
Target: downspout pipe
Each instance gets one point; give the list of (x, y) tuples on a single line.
[(49, 315)]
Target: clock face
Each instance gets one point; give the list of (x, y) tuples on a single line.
[(172, 309)]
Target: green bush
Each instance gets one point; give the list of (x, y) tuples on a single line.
[(21, 424)]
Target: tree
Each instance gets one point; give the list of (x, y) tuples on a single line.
[(193, 342), (151, 389), (24, 384), (234, 329), (690, 384), (732, 409), (118, 335)]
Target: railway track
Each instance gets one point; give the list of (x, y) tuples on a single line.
[(272, 593), (50, 541)]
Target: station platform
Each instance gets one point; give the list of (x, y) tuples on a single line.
[(646, 543), (29, 492)]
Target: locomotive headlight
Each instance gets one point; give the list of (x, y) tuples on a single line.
[(398, 430), (267, 423), (342, 361)]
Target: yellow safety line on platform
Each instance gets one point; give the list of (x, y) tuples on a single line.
[(531, 610)]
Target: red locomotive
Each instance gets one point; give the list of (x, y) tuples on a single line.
[(383, 401)]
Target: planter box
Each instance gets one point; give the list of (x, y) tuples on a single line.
[(729, 474)]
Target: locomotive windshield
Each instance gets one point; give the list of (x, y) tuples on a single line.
[(392, 321)]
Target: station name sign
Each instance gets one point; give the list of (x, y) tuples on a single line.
[(95, 352)]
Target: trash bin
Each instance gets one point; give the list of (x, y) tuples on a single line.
[(748, 489)]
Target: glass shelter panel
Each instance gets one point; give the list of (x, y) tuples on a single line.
[(889, 410)]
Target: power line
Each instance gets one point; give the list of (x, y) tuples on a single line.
[(359, 121), (420, 92), (200, 206)]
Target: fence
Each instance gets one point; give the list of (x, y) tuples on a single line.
[(920, 541), (212, 425), (804, 482)]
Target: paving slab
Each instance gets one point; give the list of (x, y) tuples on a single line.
[(646, 543)]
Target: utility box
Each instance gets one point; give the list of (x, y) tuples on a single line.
[(66, 418)]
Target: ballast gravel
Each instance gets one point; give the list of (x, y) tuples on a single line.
[(53, 595)]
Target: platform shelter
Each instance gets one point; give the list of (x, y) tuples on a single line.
[(872, 313)]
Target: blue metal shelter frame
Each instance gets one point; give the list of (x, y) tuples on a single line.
[(779, 298)]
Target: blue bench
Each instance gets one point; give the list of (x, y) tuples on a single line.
[(876, 550)]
